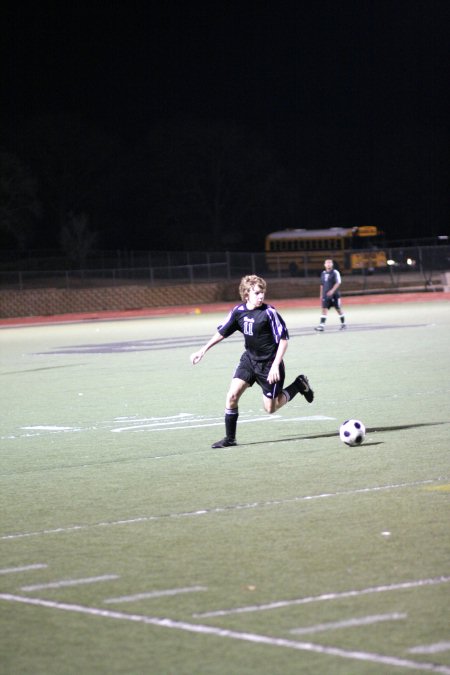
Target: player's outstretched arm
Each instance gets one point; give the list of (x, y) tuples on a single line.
[(197, 356)]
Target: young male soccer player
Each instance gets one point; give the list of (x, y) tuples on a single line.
[(266, 340), (330, 280)]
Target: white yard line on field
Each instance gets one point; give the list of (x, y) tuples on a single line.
[(181, 421), (435, 648), (219, 509), (231, 634), (169, 426), (348, 623), (23, 568), (43, 427), (156, 594), (70, 582), (325, 596)]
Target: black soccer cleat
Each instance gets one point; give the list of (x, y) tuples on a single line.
[(303, 388), (224, 443)]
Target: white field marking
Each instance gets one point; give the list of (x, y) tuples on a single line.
[(326, 596), (47, 428), (181, 421), (309, 418), (130, 418), (156, 594), (203, 423), (182, 417), (24, 568), (70, 582), (235, 635), (156, 422), (348, 623), (218, 509), (431, 649)]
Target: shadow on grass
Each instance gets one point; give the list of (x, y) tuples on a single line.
[(333, 434)]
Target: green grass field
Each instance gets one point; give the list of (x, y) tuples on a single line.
[(128, 545)]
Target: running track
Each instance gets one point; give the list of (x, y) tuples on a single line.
[(215, 307)]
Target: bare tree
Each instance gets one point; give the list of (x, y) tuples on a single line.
[(77, 240), (19, 205), (73, 162)]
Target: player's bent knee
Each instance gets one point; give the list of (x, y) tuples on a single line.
[(270, 406), (232, 400)]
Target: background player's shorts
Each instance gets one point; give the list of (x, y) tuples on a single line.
[(334, 301), (257, 371)]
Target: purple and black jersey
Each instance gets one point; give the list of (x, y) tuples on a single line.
[(262, 328)]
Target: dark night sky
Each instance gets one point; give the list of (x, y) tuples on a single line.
[(330, 84)]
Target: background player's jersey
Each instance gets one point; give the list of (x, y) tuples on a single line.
[(327, 280), (262, 328)]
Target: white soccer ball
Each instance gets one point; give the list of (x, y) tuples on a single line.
[(352, 432)]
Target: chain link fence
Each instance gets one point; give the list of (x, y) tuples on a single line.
[(164, 267)]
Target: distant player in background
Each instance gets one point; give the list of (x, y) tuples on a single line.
[(266, 341), (330, 280)]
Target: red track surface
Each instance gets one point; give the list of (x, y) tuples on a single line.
[(216, 307)]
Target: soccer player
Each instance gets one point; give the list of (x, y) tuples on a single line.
[(330, 280), (266, 340)]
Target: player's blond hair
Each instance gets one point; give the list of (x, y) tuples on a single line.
[(248, 282)]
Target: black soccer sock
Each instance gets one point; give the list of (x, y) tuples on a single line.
[(290, 391), (342, 318), (323, 319), (231, 418)]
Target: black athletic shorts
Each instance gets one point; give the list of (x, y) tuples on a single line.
[(252, 371), (334, 301)]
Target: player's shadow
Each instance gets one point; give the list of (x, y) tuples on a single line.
[(333, 434)]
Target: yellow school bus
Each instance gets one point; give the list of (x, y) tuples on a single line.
[(303, 251)]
